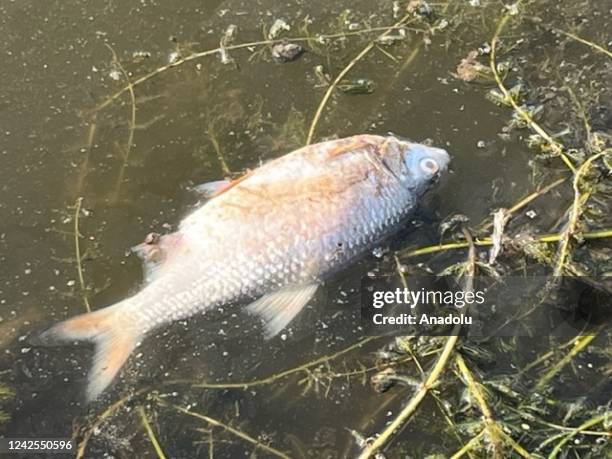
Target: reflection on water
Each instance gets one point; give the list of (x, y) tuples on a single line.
[(133, 163)]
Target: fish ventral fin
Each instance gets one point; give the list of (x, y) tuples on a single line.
[(279, 308), (211, 189)]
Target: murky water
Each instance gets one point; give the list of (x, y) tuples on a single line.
[(191, 122)]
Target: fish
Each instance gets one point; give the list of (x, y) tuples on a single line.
[(267, 240)]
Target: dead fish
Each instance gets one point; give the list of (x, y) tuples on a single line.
[(271, 236)]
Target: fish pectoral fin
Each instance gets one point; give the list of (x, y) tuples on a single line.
[(211, 189), (279, 308), (156, 253), (152, 260)]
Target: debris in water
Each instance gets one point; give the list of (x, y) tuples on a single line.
[(286, 52), (469, 69), (383, 380), (115, 74), (420, 8), (174, 57), (226, 40), (499, 222), (357, 86), (323, 79), (388, 40), (277, 28), (139, 56), (396, 10)]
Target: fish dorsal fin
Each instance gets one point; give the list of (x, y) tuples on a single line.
[(209, 189), (279, 308)]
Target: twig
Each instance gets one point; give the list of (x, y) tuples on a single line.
[(547, 355), (414, 402), (447, 418), (490, 425), (84, 166), (198, 55), (230, 429), (563, 429), (574, 215), (487, 241), (579, 345), (433, 376), (556, 146), (110, 410), (283, 374), (151, 433), (583, 115), (132, 125), (527, 199), (468, 446), (77, 250), (515, 446), (345, 70), (213, 139), (584, 426), (398, 267), (585, 42)]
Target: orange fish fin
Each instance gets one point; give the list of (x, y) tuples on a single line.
[(232, 184), (112, 350), (278, 309), (113, 341), (347, 148), (209, 189), (381, 150)]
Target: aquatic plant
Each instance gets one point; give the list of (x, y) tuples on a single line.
[(483, 414)]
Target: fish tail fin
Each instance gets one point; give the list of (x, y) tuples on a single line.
[(113, 341)]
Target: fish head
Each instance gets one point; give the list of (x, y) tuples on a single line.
[(422, 166)]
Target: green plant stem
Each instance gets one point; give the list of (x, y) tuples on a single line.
[(342, 74), (584, 426), (579, 345), (469, 445), (151, 433), (283, 374), (489, 423), (575, 211), (556, 146), (232, 430), (77, 250), (586, 42), (487, 241), (435, 374), (198, 55)]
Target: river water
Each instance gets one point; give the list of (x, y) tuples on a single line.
[(194, 123)]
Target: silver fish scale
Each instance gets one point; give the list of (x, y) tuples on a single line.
[(226, 257)]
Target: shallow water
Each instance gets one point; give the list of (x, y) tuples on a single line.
[(56, 148)]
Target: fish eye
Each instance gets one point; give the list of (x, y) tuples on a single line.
[(429, 166)]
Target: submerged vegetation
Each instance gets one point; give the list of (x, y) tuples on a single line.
[(531, 396)]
